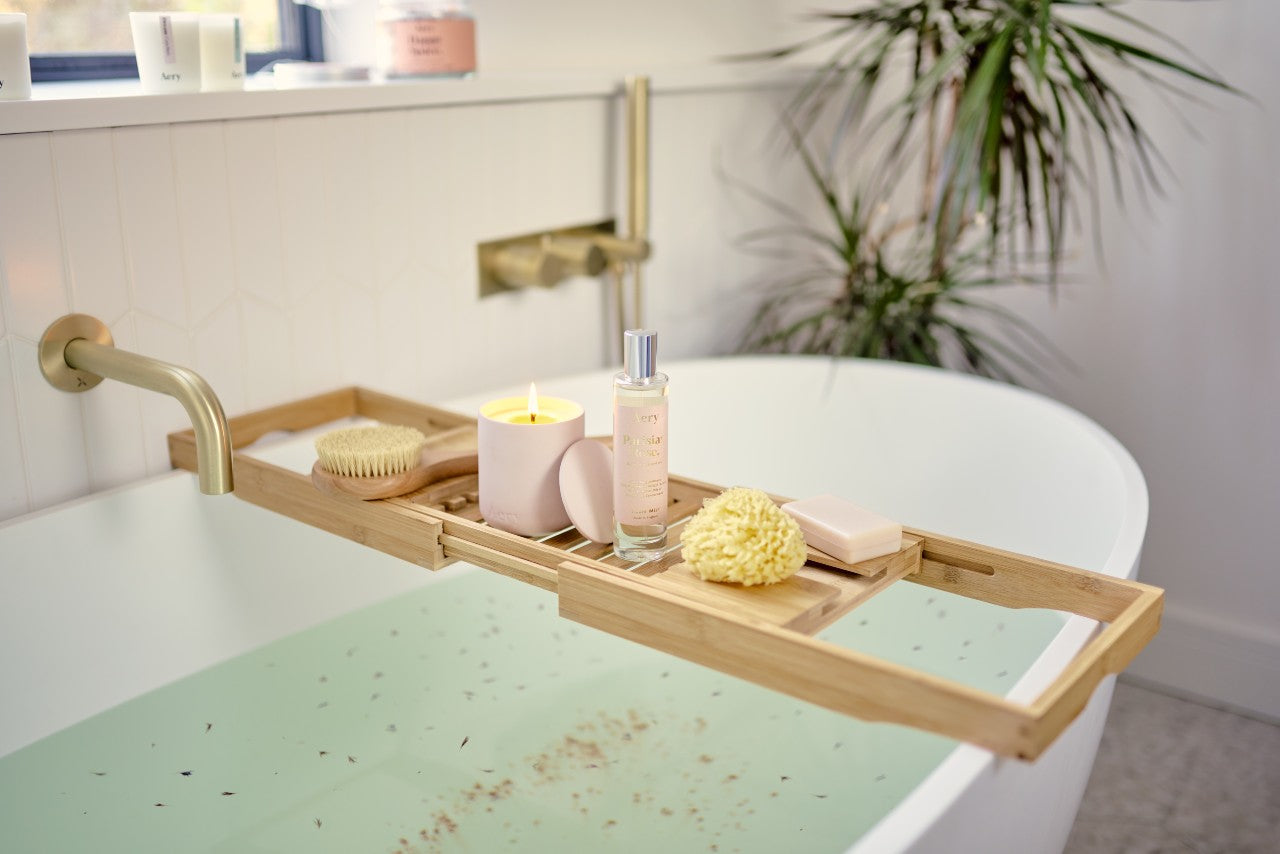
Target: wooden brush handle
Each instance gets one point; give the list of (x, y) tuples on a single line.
[(435, 465)]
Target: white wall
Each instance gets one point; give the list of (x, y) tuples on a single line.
[(1178, 346)]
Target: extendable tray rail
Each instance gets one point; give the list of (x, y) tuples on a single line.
[(763, 634)]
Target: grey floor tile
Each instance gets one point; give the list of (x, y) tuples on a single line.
[(1126, 837), (1143, 757), (1231, 798), (1175, 776)]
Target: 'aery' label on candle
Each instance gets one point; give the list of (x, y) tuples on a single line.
[(166, 39)]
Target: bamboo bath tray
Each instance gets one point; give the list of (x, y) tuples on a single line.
[(761, 634)]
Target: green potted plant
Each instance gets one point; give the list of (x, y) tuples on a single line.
[(986, 120)]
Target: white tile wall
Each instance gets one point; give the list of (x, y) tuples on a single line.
[(88, 202), (436, 139), (31, 237), (149, 214), (343, 149), (256, 211), (391, 197), (52, 427), (204, 216), (302, 186), (218, 353), (269, 352), (13, 485), (279, 257)]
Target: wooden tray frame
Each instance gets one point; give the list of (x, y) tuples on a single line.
[(764, 635)]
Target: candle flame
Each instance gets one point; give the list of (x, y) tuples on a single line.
[(533, 403)]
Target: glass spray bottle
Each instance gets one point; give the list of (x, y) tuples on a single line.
[(639, 450)]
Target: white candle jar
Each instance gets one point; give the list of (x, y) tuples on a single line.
[(221, 53), (15, 62), (167, 45)]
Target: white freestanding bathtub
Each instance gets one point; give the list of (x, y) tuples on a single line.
[(183, 672)]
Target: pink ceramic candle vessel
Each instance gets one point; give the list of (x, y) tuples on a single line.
[(521, 442)]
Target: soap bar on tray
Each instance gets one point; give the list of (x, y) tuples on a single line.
[(844, 530)]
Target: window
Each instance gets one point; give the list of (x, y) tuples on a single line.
[(87, 39)]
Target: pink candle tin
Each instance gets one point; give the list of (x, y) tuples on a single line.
[(426, 38)]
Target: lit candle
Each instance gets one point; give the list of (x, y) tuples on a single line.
[(521, 442), (532, 413), (532, 410)]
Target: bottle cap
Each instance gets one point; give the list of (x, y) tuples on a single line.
[(639, 353)]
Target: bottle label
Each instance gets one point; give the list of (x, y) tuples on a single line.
[(429, 45), (640, 464)]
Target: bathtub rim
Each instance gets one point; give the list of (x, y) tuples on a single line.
[(944, 790)]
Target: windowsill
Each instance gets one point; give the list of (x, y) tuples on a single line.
[(121, 103)]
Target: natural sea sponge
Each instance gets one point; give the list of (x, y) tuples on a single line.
[(742, 536)]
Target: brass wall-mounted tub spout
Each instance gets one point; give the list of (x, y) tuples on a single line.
[(77, 352)]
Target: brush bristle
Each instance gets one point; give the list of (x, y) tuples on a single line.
[(384, 449)]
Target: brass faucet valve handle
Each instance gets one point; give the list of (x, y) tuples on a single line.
[(581, 256), (618, 249), (523, 265)]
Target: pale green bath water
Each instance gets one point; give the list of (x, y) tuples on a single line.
[(467, 716)]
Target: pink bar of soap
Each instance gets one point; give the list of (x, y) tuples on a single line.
[(844, 530)]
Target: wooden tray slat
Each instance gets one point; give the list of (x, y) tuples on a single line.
[(765, 635), (500, 562), (1016, 581), (855, 589), (777, 604), (387, 529)]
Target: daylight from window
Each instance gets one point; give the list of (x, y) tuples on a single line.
[(102, 26)]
